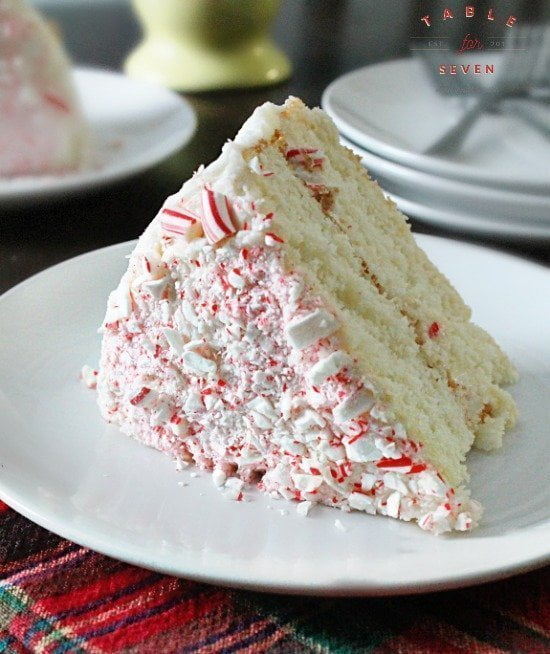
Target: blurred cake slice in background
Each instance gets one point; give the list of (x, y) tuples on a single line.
[(42, 129)]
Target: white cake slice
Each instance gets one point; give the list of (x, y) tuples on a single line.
[(278, 325), (42, 130)]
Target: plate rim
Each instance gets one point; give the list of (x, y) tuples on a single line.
[(416, 161), (452, 218), (437, 184), (101, 544), (362, 589), (468, 223)]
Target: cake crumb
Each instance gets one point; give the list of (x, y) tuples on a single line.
[(233, 489), (89, 376), (304, 508), (219, 477), (486, 412), (338, 524)]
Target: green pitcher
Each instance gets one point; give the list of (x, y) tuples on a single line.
[(201, 45)]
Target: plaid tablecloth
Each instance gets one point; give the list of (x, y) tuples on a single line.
[(58, 597)]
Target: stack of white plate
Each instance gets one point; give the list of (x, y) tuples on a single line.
[(497, 183)]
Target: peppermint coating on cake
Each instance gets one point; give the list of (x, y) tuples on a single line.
[(42, 130), (255, 336)]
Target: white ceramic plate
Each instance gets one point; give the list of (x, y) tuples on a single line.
[(134, 125), (393, 110), (64, 468), (470, 223), (457, 205), (496, 205)]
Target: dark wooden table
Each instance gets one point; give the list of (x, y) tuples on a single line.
[(324, 39)]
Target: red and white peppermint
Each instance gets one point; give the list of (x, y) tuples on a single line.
[(178, 424), (402, 464), (89, 376), (301, 157), (176, 220), (140, 396), (217, 221), (328, 366), (258, 168), (271, 239)]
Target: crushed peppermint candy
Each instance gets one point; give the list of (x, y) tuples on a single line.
[(272, 240), (434, 329), (353, 406), (221, 356), (219, 477), (155, 287), (233, 489), (328, 366), (217, 221), (197, 364), (256, 167), (175, 219), (310, 328), (89, 376), (309, 158)]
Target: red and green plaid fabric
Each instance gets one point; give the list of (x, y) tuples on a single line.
[(58, 597)]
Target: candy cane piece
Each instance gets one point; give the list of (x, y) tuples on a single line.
[(300, 152), (176, 220), (303, 156), (216, 215)]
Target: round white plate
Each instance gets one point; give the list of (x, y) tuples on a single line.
[(134, 125), (494, 204), (65, 469), (393, 110), (454, 218), (457, 205)]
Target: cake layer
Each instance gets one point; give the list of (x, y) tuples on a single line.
[(382, 250)]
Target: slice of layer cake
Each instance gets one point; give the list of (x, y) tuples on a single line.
[(278, 324), (41, 128)]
